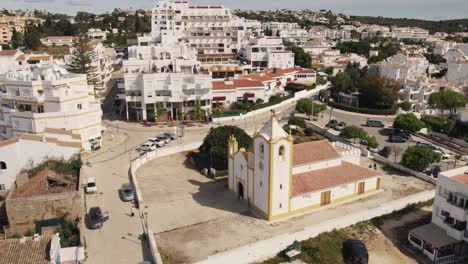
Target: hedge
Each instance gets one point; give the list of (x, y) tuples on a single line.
[(273, 101), (391, 111)]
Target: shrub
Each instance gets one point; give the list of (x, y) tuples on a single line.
[(368, 111), (418, 158), (406, 106), (69, 233), (309, 131), (435, 123), (353, 132), (408, 122), (297, 121)]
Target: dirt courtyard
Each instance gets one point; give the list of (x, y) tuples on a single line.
[(194, 217)]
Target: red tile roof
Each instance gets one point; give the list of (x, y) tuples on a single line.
[(461, 178), (313, 151), (8, 52), (330, 177), (234, 84), (31, 251)]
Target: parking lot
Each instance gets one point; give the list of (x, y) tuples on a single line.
[(194, 217)]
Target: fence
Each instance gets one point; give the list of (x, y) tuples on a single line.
[(276, 107), (264, 249), (397, 166), (135, 165)]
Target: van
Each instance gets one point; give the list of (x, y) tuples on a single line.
[(374, 123), (148, 146)]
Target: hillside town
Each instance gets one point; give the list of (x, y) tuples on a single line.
[(187, 133)]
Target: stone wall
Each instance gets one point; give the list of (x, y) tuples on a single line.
[(23, 212)]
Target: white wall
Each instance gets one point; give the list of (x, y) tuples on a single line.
[(280, 177), (261, 175)]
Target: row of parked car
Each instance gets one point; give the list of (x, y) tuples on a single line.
[(158, 142)]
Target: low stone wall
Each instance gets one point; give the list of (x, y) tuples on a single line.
[(265, 249), (397, 166), (135, 165)]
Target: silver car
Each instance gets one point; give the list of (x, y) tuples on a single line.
[(127, 192)]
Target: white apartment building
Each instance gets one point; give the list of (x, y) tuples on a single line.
[(445, 239), (57, 40), (21, 152), (417, 92), (280, 26), (17, 22), (212, 30), (442, 47), (318, 47), (176, 92), (97, 33), (457, 71), (402, 67), (266, 52), (48, 97), (16, 59), (408, 33)]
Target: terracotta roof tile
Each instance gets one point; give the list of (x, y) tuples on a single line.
[(329, 177), (461, 178), (313, 151), (28, 252), (8, 52)]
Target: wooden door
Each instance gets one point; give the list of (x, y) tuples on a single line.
[(325, 198), (361, 187), (378, 184)]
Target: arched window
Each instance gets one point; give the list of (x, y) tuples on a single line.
[(3, 165), (282, 153), (262, 150)]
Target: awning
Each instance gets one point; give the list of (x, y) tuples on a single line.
[(219, 98), (434, 235)]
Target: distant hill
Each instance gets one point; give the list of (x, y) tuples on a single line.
[(449, 26)]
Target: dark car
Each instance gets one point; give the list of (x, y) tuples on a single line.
[(355, 252), (96, 218), (397, 138), (333, 123), (385, 152)]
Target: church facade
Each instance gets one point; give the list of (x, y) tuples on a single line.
[(279, 179)]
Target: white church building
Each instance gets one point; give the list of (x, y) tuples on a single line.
[(278, 179)]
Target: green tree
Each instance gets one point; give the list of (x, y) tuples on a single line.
[(370, 141), (353, 132), (214, 149), (69, 233), (198, 110), (306, 105), (297, 121), (301, 58), (81, 59), (377, 92), (17, 39), (32, 40), (406, 106), (329, 70), (408, 123), (447, 100), (418, 158)]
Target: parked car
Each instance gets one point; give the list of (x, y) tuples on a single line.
[(385, 152), (355, 252), (158, 142), (127, 192), (91, 186), (397, 138), (171, 135), (333, 123), (442, 154), (340, 126), (95, 218), (148, 146), (164, 138), (426, 145), (374, 123)]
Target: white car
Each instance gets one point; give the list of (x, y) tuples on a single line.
[(442, 154), (148, 146), (91, 186), (158, 142)]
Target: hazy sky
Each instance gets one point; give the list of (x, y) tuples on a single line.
[(426, 9)]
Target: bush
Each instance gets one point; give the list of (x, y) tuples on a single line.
[(297, 121), (71, 166), (309, 131), (353, 132), (406, 106), (69, 233), (418, 158), (391, 111), (275, 99), (305, 106), (370, 141), (408, 122), (435, 123)]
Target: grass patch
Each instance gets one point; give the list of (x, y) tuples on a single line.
[(71, 166)]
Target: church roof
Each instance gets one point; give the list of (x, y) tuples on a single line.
[(313, 151), (272, 130), (316, 180)]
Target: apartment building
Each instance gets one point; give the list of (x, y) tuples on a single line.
[(57, 40), (48, 97), (409, 33), (401, 67), (16, 22), (178, 94), (212, 31), (266, 52), (417, 92), (445, 239), (14, 59)]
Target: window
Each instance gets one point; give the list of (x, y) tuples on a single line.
[(260, 183), (281, 153), (79, 106), (2, 187), (262, 150), (280, 205), (281, 186), (3, 165)]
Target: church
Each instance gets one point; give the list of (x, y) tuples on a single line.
[(278, 179)]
